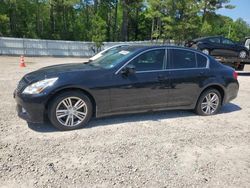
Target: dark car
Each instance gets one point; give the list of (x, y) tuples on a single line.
[(219, 46), (136, 79)]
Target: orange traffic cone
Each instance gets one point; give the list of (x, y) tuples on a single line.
[(22, 63)]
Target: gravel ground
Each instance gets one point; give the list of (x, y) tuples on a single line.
[(165, 149)]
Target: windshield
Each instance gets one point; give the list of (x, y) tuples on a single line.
[(113, 50), (110, 60)]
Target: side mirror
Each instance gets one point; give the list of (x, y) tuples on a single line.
[(129, 69)]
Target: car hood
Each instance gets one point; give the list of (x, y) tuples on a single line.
[(57, 70)]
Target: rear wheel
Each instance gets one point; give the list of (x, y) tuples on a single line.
[(209, 103), (70, 110), (243, 54)]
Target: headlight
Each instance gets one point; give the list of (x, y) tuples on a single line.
[(39, 86)]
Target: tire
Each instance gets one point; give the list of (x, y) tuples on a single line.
[(213, 106), (70, 110), (205, 51), (243, 54)]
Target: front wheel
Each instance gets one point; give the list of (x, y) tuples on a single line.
[(243, 54), (209, 103), (70, 110)]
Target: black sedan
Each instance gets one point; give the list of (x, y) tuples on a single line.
[(219, 46), (135, 79)]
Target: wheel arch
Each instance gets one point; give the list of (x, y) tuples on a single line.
[(244, 49), (218, 87), (72, 88)]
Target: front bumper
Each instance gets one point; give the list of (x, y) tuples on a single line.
[(30, 108)]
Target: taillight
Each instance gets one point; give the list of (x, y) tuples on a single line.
[(235, 75)]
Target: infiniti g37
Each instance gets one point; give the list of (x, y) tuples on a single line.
[(134, 79)]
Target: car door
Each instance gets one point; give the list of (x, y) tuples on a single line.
[(146, 88), (228, 48), (188, 70), (214, 45)]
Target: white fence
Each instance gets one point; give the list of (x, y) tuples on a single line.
[(36, 47)]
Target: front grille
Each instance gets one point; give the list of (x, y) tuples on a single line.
[(21, 85)]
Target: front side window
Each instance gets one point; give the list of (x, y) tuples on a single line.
[(227, 41), (182, 59), (151, 60), (214, 40)]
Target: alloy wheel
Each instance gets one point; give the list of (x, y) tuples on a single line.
[(71, 111), (243, 54), (210, 103)]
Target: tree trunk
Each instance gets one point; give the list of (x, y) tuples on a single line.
[(37, 18), (136, 24), (115, 22), (12, 20), (95, 5), (64, 21), (204, 13), (152, 29), (108, 21), (124, 33), (52, 19)]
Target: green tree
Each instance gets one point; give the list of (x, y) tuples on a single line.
[(98, 30), (239, 30), (206, 29), (118, 20), (210, 6), (157, 11), (182, 21)]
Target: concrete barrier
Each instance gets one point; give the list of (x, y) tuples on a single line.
[(37, 47)]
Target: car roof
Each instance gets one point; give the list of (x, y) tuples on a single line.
[(146, 47), (204, 38), (140, 48)]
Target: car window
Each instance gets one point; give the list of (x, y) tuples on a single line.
[(214, 40), (110, 60), (113, 50), (182, 59), (247, 43), (227, 41), (151, 60), (201, 61)]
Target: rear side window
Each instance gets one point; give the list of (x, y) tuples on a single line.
[(182, 59), (201, 61)]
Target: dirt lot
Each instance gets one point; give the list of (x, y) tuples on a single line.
[(166, 149)]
